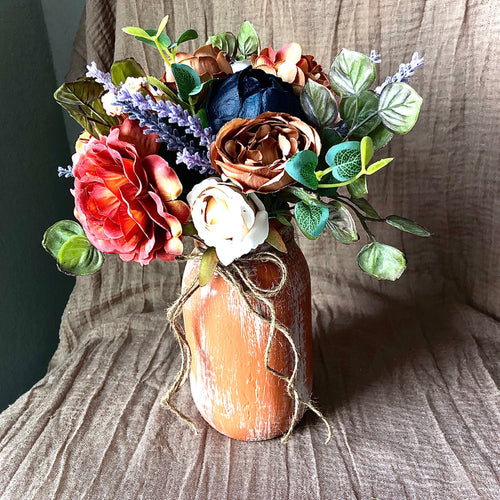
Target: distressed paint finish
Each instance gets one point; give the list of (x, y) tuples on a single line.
[(229, 382)]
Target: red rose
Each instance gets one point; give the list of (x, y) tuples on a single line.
[(125, 196)]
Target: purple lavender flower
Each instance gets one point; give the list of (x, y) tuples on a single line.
[(151, 115), (100, 77), (375, 58), (404, 72), (65, 171)]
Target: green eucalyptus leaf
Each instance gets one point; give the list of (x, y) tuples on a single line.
[(366, 207), (398, 107), (301, 167), (163, 40), (186, 79), (77, 256), (407, 225), (134, 31), (382, 261), (283, 220), (311, 219), (186, 36), (351, 73), (57, 234), (202, 115), (366, 148), (340, 224), (345, 160), (248, 40), (367, 104), (125, 68), (202, 86), (318, 104), (226, 42), (161, 27), (358, 188), (374, 167), (161, 86), (208, 264), (189, 229), (380, 136)]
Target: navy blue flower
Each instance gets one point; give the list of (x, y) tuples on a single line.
[(247, 94)]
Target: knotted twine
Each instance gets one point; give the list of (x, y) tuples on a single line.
[(235, 275)]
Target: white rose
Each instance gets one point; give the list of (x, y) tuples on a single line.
[(227, 219)]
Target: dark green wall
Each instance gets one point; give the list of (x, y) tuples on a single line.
[(32, 145)]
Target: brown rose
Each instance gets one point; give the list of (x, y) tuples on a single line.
[(253, 152), (208, 61)]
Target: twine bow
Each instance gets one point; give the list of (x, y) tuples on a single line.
[(236, 275)]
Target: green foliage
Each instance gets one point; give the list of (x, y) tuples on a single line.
[(351, 73), (67, 243), (311, 218), (374, 167), (188, 229), (301, 167), (208, 264), (363, 204), (186, 36), (382, 261), (81, 99), (163, 39), (248, 40), (318, 104), (358, 187), (125, 68), (340, 223), (407, 225), (275, 240), (186, 79), (380, 136), (398, 107), (356, 109), (226, 42), (345, 160)]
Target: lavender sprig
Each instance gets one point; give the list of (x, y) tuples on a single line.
[(100, 77), (404, 72), (375, 58), (142, 108), (65, 171)]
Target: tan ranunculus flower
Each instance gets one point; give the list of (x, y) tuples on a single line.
[(208, 61), (253, 152)]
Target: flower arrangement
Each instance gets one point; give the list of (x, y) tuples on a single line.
[(231, 146), (230, 142)]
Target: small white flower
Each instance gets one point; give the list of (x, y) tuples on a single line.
[(136, 84), (227, 219), (240, 65), (111, 109)]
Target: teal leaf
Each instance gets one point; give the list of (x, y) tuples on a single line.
[(345, 160), (248, 40), (202, 86), (367, 104), (318, 104), (186, 79), (301, 167), (311, 219), (125, 68), (67, 243), (163, 39), (358, 188), (382, 261), (351, 73), (340, 224), (407, 225), (398, 107)]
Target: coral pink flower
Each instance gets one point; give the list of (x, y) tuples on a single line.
[(125, 196), (290, 65)]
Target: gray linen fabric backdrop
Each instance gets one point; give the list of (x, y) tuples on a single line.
[(406, 372)]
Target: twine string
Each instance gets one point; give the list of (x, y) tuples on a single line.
[(239, 278)]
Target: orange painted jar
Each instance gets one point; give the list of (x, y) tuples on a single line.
[(231, 387)]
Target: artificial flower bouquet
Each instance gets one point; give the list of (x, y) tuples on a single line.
[(231, 146)]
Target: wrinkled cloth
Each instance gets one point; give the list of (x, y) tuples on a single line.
[(406, 372)]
